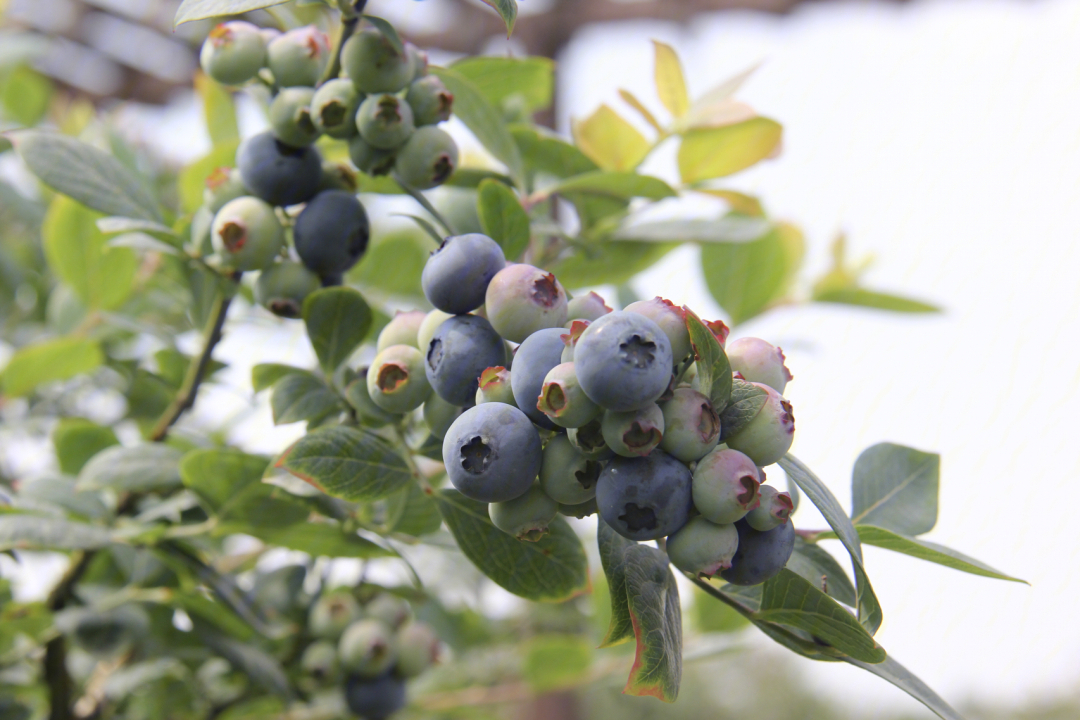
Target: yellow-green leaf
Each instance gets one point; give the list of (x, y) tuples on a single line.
[(722, 151), (218, 110), (192, 178), (47, 361), (670, 85), (610, 141)]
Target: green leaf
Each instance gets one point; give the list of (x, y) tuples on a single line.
[(507, 10), (789, 599), (49, 361), (500, 78), (612, 547), (151, 466), (744, 403), (102, 276), (200, 9), (61, 492), (553, 661), (732, 228), (424, 225), (264, 375), (722, 151), (217, 476), (347, 463), (872, 299), (620, 185), (302, 396), (485, 122), (710, 616), (745, 277), (811, 486), (113, 225), (502, 218), (607, 263), (549, 154), (90, 176), (388, 32), (929, 551), (218, 111), (902, 678), (814, 563), (713, 369), (34, 532), (668, 75), (337, 319), (192, 179), (393, 263), (219, 614), (552, 569), (610, 141), (896, 487), (259, 666), (258, 505), (321, 540), (418, 513), (25, 95)]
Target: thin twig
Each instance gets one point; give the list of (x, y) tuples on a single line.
[(348, 27)]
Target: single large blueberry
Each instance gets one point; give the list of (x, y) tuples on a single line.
[(331, 233), (644, 498), (457, 274), (623, 361), (375, 698), (276, 172), (492, 453), (761, 554), (462, 347), (533, 360)]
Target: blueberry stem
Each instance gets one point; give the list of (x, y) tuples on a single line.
[(348, 27), (424, 203)]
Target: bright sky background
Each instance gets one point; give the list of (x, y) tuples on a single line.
[(944, 138)]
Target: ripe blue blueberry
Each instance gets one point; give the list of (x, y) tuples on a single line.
[(427, 159), (522, 299), (401, 330), (367, 648), (589, 440), (645, 498), (418, 649), (333, 108), (278, 173), (775, 509), (331, 233), (634, 433), (702, 547), (566, 476), (282, 288), (759, 362), (562, 399), (462, 347), (375, 698), (495, 386), (440, 415), (761, 555), (525, 517), (373, 64), (396, 380), (430, 101), (726, 486), (298, 57), (233, 52), (691, 425), (768, 436), (671, 319), (456, 275), (587, 307), (492, 453), (384, 121), (246, 234), (534, 359), (623, 361), (370, 160)]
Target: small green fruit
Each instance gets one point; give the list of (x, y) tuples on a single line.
[(333, 108), (495, 386), (396, 380), (428, 159), (430, 101), (290, 117), (703, 548), (526, 517), (401, 330), (566, 476), (233, 52), (247, 234), (283, 287), (367, 648), (298, 57), (634, 433), (332, 613), (418, 649), (373, 64), (384, 121)]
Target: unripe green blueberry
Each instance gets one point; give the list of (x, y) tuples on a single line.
[(440, 415), (333, 108), (298, 57), (384, 121), (725, 486), (522, 299), (367, 648), (671, 319), (703, 548), (566, 476), (563, 400), (427, 329), (332, 613), (775, 509), (428, 159), (373, 64), (759, 362), (768, 436), (634, 433), (587, 307), (371, 160), (430, 101), (389, 609), (282, 288), (290, 117), (396, 380), (401, 330), (233, 52), (418, 61), (581, 510), (366, 410), (589, 440), (418, 649), (247, 234), (320, 660), (495, 386), (222, 185), (691, 425), (576, 328), (525, 517)]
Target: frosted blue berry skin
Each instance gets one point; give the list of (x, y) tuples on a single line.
[(331, 233), (276, 172), (492, 453), (462, 347), (645, 498), (623, 361), (375, 698), (457, 274), (534, 359), (761, 555)]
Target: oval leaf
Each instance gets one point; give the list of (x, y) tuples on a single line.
[(670, 85), (621, 185), (33, 532), (609, 140), (152, 466), (337, 319), (499, 78), (820, 569), (49, 361), (199, 9), (77, 440), (896, 487), (302, 396), (347, 463), (902, 678), (507, 10), (931, 552), (502, 218), (217, 476), (719, 152), (713, 368)]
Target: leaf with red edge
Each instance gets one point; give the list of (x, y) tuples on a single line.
[(713, 368), (347, 463)]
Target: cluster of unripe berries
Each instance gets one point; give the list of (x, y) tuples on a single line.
[(590, 411), (370, 651)]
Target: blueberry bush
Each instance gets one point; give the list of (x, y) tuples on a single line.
[(474, 396)]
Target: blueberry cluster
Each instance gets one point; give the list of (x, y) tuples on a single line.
[(371, 651), (548, 404)]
